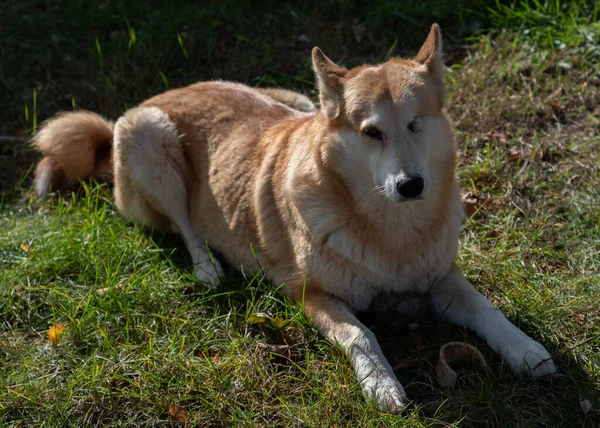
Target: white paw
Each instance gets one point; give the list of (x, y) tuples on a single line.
[(528, 356), (386, 392), (208, 272)]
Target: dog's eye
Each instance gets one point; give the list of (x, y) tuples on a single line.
[(373, 133), (413, 127)]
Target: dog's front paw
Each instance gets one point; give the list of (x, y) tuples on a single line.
[(530, 357), (209, 273), (387, 393)]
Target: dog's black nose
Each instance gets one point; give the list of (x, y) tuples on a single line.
[(410, 188)]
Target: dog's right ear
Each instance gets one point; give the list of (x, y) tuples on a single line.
[(330, 80), (430, 53)]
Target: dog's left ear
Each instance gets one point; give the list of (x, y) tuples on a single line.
[(430, 53), (330, 80)]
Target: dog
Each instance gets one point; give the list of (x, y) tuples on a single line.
[(340, 203)]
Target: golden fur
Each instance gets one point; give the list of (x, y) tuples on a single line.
[(313, 192)]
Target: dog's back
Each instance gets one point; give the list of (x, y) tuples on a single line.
[(223, 127)]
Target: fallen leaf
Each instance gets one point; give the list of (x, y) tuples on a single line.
[(25, 247), (469, 201), (553, 105), (515, 154), (545, 154), (55, 332), (579, 317), (212, 353), (177, 413), (496, 137)]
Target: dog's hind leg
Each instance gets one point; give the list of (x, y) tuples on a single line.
[(150, 185)]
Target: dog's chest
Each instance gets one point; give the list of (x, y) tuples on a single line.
[(357, 268)]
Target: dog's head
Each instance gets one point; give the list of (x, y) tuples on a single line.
[(388, 122)]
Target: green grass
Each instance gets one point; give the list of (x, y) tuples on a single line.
[(141, 335)]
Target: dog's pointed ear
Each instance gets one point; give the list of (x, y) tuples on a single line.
[(430, 53), (330, 81)]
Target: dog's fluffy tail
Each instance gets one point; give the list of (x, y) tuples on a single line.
[(76, 145)]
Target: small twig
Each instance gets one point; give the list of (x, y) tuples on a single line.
[(567, 350)]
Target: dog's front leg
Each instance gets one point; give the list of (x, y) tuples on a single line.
[(457, 301), (335, 321)]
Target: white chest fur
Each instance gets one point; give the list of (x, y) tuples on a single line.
[(357, 268)]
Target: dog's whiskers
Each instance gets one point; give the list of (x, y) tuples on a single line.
[(378, 190)]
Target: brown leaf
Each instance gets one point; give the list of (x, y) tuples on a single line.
[(25, 247), (470, 203), (545, 154), (177, 413), (212, 352), (579, 317), (515, 154), (497, 137), (55, 332)]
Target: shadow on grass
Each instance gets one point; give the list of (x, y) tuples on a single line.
[(411, 339), (500, 398)]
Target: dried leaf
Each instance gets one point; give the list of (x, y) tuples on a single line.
[(545, 154), (212, 353), (55, 332), (515, 154), (579, 317), (496, 137), (25, 247), (469, 201), (177, 413)]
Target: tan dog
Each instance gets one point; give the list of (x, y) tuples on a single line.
[(340, 204)]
